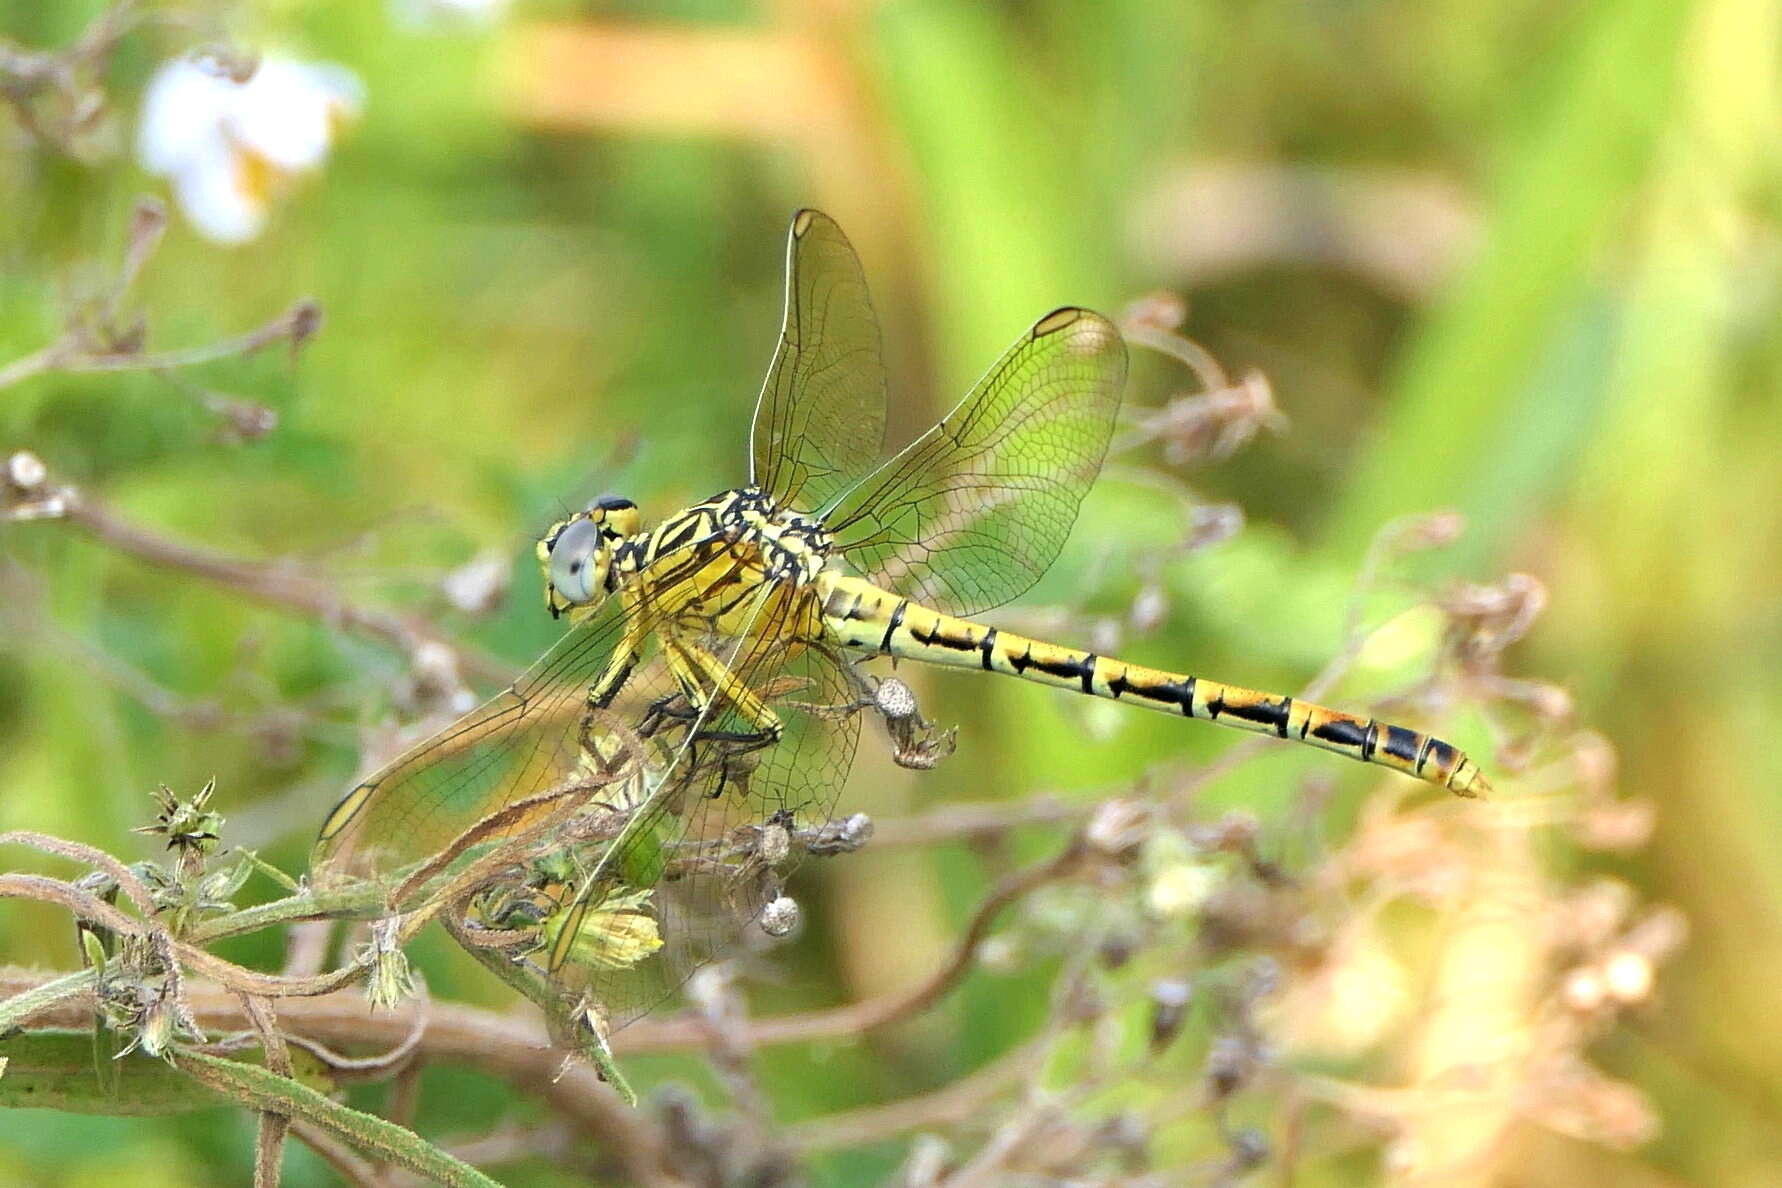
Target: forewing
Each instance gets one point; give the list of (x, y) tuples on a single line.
[(517, 745), (820, 420), (975, 510), (512, 750)]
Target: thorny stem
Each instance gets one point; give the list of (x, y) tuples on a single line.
[(270, 1092), (91, 908), (269, 1139), (514, 1049), (40, 998), (92, 856), (643, 1036), (350, 900), (509, 1144)]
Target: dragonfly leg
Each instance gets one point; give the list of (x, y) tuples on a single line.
[(704, 677), (624, 659), (618, 671), (676, 708)]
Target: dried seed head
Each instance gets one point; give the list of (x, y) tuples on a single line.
[(780, 916), (1213, 523), (305, 322), (894, 699), (929, 1160), (1628, 976), (1658, 934), (1118, 829), (1583, 989), (1231, 1061), (1116, 949), (775, 844), (1433, 531), (477, 588), (841, 837), (1169, 1009), (434, 678), (244, 420), (1181, 889), (388, 980), (25, 472), (1149, 609), (1248, 1149), (148, 218), (1160, 310), (1127, 1134), (1233, 833)]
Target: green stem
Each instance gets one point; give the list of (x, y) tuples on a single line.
[(267, 1091), (15, 1010)]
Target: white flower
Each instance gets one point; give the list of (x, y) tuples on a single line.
[(229, 147)]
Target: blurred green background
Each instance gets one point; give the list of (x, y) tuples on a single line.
[(1519, 259)]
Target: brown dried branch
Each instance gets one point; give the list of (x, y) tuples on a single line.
[(649, 1035), (1204, 426), (506, 1144), (56, 94), (514, 1049), (24, 619), (28, 491), (81, 351), (97, 336), (955, 1103), (347, 1163)]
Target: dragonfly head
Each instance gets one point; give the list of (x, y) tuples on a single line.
[(577, 554)]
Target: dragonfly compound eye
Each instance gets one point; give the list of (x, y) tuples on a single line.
[(577, 561)]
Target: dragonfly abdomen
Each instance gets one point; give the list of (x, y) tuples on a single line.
[(863, 616)]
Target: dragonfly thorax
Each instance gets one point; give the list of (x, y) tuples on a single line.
[(593, 553), (793, 546)]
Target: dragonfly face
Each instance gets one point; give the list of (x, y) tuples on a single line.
[(577, 555)]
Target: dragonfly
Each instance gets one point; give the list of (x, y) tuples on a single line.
[(634, 799)]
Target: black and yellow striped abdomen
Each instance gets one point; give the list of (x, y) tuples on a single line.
[(860, 615)]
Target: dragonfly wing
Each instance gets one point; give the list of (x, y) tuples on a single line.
[(514, 748), (971, 513), (820, 420), (710, 842), (516, 745), (641, 834)]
